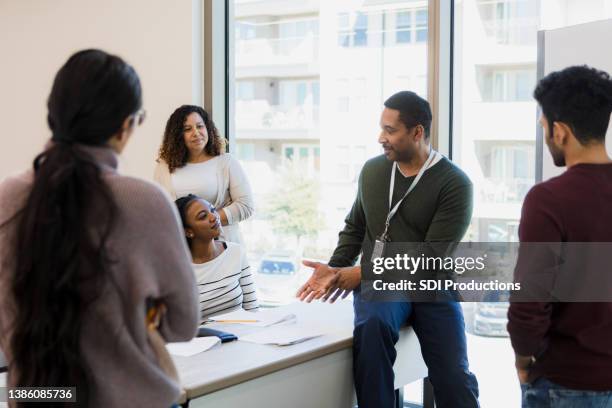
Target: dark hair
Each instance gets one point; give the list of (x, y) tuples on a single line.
[(182, 204), (173, 150), (413, 109), (580, 97), (61, 257)]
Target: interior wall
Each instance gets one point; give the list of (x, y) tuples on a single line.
[(569, 46), (37, 37)]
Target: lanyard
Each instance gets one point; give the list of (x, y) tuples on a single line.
[(392, 211)]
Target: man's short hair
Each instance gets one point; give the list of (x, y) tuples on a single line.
[(580, 97), (413, 109)]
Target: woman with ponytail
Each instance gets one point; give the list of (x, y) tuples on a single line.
[(84, 249)]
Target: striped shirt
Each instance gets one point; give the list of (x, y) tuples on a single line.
[(225, 283)]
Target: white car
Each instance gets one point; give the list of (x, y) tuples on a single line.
[(278, 277)]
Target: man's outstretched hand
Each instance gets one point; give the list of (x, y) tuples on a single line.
[(323, 278), (347, 279)]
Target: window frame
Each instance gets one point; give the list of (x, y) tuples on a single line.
[(219, 36)]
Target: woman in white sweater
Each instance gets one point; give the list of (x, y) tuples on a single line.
[(192, 160), (224, 278)]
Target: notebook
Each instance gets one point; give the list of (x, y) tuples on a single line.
[(193, 347)]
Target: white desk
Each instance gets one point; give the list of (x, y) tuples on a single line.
[(313, 374)]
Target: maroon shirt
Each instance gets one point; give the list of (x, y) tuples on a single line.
[(571, 341)]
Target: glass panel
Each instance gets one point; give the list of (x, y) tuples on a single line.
[(301, 93), (403, 24), (361, 30), (323, 113), (316, 96), (343, 29), (421, 25), (494, 143), (245, 90)]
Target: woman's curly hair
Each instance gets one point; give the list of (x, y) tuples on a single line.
[(173, 150)]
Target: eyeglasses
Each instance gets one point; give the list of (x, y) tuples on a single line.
[(140, 116)]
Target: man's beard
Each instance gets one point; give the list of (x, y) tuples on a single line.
[(557, 156), (406, 156), (556, 153)]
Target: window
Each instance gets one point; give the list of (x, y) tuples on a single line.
[(245, 151), (245, 90), (411, 26), (344, 31), (343, 166), (421, 25), (353, 29), (342, 87), (296, 33), (298, 28), (304, 158), (493, 118), (294, 93), (506, 84), (312, 123), (403, 27), (509, 22), (494, 137), (360, 37), (244, 30), (309, 124)]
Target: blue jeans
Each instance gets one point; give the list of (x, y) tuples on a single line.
[(441, 331), (545, 394)]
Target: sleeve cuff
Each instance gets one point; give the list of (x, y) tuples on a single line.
[(522, 343), (228, 215)]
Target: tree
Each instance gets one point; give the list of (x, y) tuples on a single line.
[(293, 207)]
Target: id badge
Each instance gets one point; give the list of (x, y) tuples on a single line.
[(379, 249)]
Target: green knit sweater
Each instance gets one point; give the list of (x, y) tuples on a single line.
[(438, 209)]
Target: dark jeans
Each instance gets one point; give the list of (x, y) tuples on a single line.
[(545, 394), (441, 332)]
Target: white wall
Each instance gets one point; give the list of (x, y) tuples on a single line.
[(576, 45), (37, 36)]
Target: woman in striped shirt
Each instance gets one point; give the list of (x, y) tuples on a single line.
[(224, 278)]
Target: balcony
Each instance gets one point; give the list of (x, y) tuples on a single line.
[(500, 120), (504, 190), (259, 120), (274, 57), (512, 31)]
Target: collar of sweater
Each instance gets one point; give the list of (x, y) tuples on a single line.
[(103, 155)]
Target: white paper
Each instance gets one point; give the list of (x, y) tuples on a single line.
[(284, 335), (263, 318), (193, 347)]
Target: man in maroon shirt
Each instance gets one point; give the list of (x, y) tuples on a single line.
[(564, 350)]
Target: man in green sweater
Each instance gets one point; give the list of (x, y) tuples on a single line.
[(431, 201)]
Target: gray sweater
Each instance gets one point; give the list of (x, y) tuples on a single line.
[(153, 262)]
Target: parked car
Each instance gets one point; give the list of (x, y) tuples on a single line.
[(491, 316), (278, 277)]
